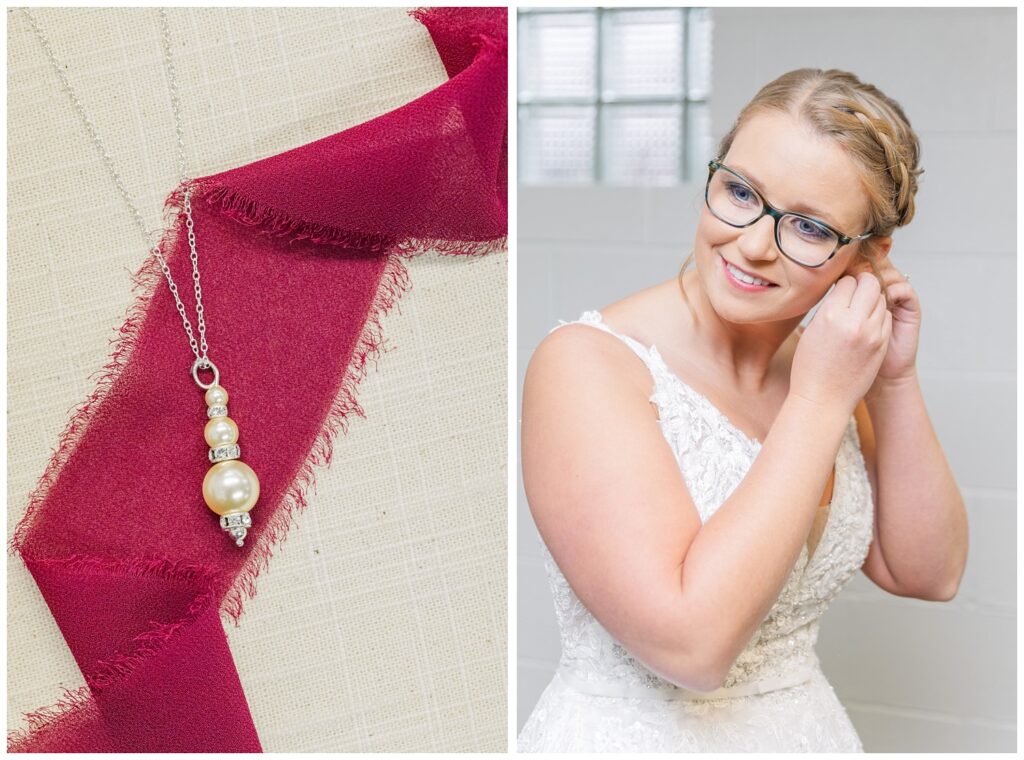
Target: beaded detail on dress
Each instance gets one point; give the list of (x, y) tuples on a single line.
[(714, 457)]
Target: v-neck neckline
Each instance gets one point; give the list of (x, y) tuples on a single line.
[(752, 443)]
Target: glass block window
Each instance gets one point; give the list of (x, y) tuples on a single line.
[(614, 95)]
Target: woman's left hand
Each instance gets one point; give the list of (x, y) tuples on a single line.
[(900, 360), (899, 363)]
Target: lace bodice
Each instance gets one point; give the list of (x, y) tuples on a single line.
[(713, 457)]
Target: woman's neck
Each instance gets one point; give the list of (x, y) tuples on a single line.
[(744, 354)]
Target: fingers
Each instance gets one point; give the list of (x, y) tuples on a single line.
[(887, 271), (859, 292), (902, 293), (881, 321), (843, 291), (879, 310), (866, 294)]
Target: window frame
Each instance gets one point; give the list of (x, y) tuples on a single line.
[(598, 101)]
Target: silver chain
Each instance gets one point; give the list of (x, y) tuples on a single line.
[(198, 348)]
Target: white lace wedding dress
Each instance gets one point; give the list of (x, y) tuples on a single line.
[(775, 697)]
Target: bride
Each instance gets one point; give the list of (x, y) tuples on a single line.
[(706, 477)]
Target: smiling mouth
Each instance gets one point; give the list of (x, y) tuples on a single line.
[(762, 280)]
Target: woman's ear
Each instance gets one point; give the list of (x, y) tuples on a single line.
[(881, 247), (876, 249)]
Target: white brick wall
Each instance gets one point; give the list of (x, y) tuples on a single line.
[(915, 676)]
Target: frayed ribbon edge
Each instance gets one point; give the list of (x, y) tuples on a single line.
[(267, 220)]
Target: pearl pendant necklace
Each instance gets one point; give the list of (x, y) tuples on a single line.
[(230, 488)]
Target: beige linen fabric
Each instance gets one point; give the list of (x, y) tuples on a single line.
[(381, 623)]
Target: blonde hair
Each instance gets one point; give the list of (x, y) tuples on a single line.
[(868, 124)]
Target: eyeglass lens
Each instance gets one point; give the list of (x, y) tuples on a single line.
[(734, 202)]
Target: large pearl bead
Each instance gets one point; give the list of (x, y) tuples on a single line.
[(220, 431), (231, 486)]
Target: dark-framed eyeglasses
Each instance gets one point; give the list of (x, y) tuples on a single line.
[(801, 238)]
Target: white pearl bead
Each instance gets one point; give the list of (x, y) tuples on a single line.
[(231, 486), (216, 395), (220, 431)]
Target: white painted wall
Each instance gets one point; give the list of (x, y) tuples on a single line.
[(915, 676)]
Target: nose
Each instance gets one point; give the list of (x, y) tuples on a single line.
[(757, 242)]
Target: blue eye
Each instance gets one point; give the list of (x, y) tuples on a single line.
[(740, 192), (808, 229)]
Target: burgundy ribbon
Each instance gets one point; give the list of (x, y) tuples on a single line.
[(300, 255)]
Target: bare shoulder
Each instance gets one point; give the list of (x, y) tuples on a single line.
[(583, 389), (582, 358), (577, 355)]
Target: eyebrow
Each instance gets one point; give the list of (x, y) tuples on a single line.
[(812, 210)]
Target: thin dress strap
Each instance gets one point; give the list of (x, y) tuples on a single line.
[(593, 318)]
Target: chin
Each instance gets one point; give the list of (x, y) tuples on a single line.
[(734, 311), (740, 316)]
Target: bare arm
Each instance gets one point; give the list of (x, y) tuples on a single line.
[(920, 543), (741, 559), (606, 493)]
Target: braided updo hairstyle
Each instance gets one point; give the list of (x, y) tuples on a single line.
[(868, 124)]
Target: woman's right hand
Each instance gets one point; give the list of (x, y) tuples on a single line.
[(839, 353)]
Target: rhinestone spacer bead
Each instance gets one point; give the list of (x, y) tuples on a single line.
[(217, 411), (237, 525), (236, 519), (223, 453)]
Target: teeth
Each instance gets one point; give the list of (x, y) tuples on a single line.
[(742, 277)]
